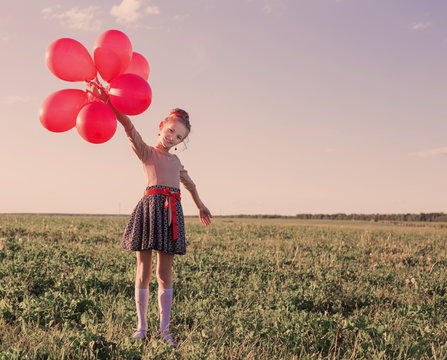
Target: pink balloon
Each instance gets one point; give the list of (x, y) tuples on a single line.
[(69, 60), (96, 122), (130, 94), (59, 110), (112, 53), (138, 65)]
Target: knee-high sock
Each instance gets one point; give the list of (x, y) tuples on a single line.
[(165, 304), (141, 301)]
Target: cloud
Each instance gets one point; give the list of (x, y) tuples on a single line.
[(267, 9), (129, 11), (75, 18), (181, 17), (273, 6), (14, 99), (421, 25), (153, 10), (440, 151)]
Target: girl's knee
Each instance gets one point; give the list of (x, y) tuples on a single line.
[(164, 270), (143, 272), (164, 279), (144, 269), (142, 278)]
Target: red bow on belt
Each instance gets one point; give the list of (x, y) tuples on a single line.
[(169, 196)]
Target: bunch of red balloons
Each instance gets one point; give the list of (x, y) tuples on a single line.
[(125, 71)]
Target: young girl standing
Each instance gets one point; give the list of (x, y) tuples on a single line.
[(157, 221)]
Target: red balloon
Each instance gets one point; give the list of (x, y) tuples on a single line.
[(69, 60), (96, 122), (138, 65), (59, 110), (130, 94), (112, 53)]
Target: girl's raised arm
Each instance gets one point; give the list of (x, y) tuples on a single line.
[(97, 90), (123, 119)]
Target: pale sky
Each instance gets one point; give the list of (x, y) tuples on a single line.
[(297, 106)]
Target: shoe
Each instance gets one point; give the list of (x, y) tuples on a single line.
[(140, 334), (166, 336)]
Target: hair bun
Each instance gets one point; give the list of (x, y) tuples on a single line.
[(179, 112)]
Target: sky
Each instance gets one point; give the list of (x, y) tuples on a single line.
[(296, 106)]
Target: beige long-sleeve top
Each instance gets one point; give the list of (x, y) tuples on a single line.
[(160, 168)]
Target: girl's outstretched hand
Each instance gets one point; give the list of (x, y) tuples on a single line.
[(97, 90), (205, 216)]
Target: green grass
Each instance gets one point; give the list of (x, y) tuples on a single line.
[(246, 289)]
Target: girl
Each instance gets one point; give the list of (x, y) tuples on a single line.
[(157, 221)]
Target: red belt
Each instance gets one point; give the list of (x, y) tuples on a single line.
[(172, 196)]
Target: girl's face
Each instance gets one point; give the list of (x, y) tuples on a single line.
[(172, 133)]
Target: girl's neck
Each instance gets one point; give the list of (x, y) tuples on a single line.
[(160, 147)]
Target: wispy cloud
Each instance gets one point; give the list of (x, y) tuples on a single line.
[(267, 8), (152, 10), (181, 17), (273, 6), (421, 25), (75, 18), (440, 151), (14, 99), (130, 11)]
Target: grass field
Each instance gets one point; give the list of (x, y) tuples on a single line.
[(246, 289)]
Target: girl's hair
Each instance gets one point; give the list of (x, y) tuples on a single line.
[(181, 115)]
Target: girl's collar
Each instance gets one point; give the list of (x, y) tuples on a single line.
[(167, 153)]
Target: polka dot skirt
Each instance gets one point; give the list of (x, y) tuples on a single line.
[(148, 226)]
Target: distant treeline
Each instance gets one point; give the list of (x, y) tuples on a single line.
[(430, 217)]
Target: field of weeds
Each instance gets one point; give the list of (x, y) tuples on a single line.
[(246, 289)]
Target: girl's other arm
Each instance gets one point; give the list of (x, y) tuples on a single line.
[(204, 213)]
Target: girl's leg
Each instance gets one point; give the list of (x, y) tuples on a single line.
[(165, 294), (164, 270), (144, 269), (142, 279)]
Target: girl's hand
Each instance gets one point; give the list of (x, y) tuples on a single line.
[(97, 90), (205, 216)]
